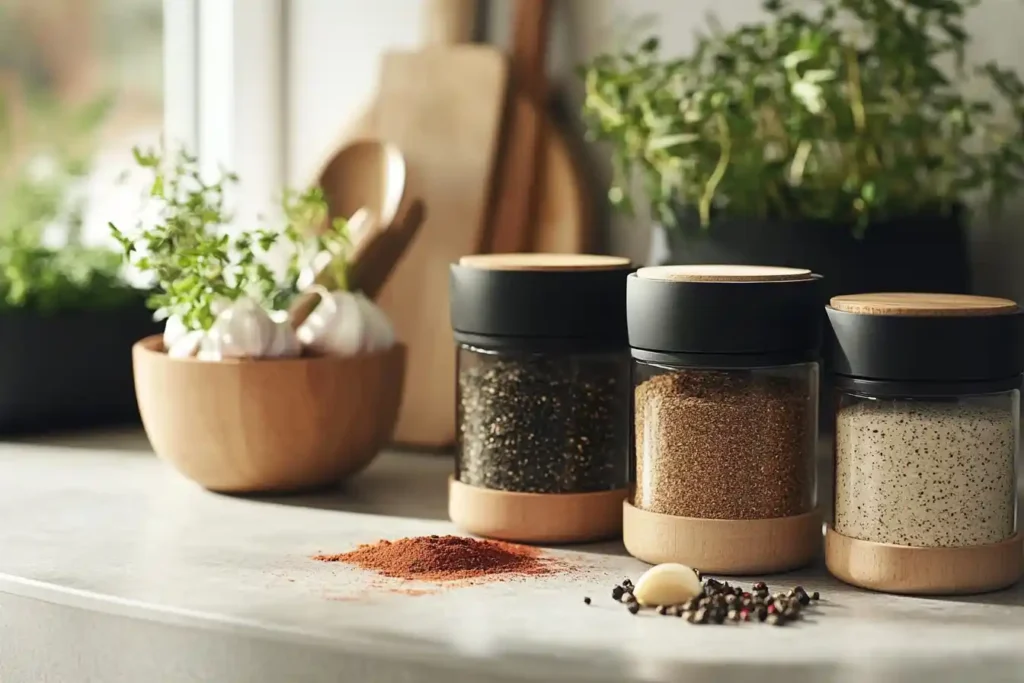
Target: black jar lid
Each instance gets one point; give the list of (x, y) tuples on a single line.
[(562, 300), (724, 315), (916, 337)]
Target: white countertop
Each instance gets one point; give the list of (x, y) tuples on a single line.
[(99, 537)]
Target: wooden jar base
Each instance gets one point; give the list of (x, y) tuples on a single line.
[(924, 571), (535, 517), (723, 546)]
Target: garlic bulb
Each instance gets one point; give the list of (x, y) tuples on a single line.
[(242, 329), (345, 324), (381, 333)]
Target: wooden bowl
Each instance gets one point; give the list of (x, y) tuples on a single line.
[(245, 426)]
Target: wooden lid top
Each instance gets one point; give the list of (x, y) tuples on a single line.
[(544, 262), (724, 273), (922, 305)]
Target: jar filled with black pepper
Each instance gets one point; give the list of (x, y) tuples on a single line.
[(543, 396), (725, 375)]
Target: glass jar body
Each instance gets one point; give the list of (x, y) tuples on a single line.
[(736, 443), (542, 422), (926, 471)]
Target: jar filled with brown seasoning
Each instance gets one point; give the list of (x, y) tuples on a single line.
[(725, 375)]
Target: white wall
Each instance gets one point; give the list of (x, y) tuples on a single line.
[(334, 44)]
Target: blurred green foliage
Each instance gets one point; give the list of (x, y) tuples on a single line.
[(849, 111), (43, 161)]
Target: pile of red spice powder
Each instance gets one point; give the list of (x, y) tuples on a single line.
[(446, 558)]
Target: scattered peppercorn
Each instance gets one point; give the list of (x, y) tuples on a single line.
[(586, 601), (719, 602)]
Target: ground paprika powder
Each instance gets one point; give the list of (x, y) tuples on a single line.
[(446, 558)]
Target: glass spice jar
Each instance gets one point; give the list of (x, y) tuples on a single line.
[(543, 396), (926, 434), (725, 375)]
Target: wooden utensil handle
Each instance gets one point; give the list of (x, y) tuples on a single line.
[(529, 46), (371, 263), (447, 22), (370, 269)]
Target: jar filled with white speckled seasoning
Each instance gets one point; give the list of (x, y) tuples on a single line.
[(725, 403), (542, 415), (926, 434)]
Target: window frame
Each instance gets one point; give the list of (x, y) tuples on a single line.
[(225, 92)]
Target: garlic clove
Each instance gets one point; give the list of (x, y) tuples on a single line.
[(185, 345), (335, 327), (284, 342), (174, 330), (381, 334), (667, 584)]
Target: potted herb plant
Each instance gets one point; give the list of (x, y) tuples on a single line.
[(67, 316), (840, 139), (241, 393)]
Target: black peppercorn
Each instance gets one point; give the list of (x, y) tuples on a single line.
[(760, 586), (815, 595), (586, 601), (542, 423), (762, 613), (633, 607), (617, 593), (662, 610)]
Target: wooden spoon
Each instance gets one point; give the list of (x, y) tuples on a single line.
[(367, 174)]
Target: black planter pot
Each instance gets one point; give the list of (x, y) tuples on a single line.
[(70, 370), (923, 253)]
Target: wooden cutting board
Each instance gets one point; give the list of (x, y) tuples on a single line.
[(441, 106), (513, 210), (564, 215)]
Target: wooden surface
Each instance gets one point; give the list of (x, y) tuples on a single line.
[(535, 517), (267, 425), (735, 547), (518, 174), (924, 305), (441, 106), (924, 571), (561, 262), (723, 273)]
